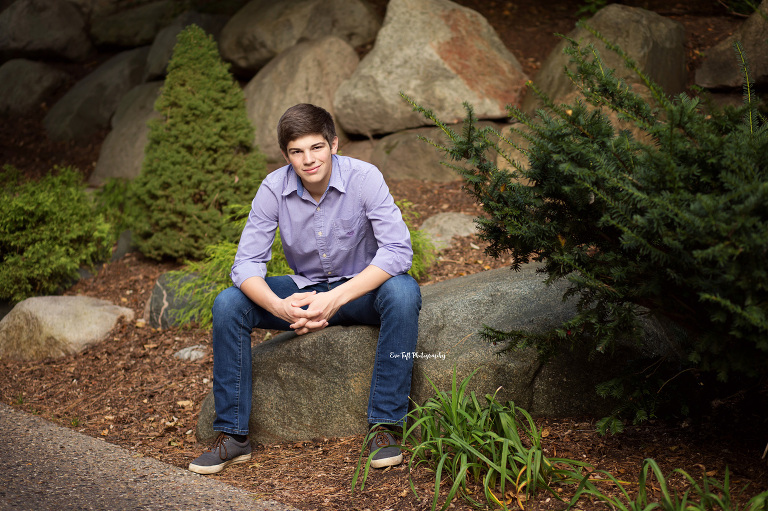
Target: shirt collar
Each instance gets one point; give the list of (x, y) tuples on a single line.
[(295, 185)]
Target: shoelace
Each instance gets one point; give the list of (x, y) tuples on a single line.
[(382, 439), (219, 443)]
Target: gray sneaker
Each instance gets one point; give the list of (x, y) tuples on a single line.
[(385, 448), (224, 451)]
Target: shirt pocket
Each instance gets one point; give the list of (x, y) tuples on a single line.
[(349, 232)]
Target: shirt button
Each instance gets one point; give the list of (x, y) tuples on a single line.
[(320, 233), (318, 208), (325, 255), (329, 273)]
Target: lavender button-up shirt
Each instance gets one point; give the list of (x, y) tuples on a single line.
[(355, 224)]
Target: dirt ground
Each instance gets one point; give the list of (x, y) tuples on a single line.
[(131, 391)]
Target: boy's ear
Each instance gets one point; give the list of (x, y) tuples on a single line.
[(335, 145), (285, 156)]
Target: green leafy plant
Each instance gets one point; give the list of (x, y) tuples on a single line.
[(199, 282), (709, 495), (590, 7), (48, 231), (199, 158), (423, 248), (111, 201), (472, 441), (668, 223), (482, 443)]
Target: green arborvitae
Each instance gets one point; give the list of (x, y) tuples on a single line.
[(671, 223), (199, 158)]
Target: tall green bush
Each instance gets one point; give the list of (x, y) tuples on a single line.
[(199, 158), (672, 223), (48, 230)]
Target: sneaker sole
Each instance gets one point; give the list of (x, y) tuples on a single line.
[(387, 462), (214, 469)]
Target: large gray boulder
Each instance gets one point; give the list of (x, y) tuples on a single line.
[(135, 26), (656, 43), (122, 152), (56, 326), (317, 385), (405, 155), (721, 67), (88, 107), (25, 84), (264, 28), (442, 227), (324, 64), (438, 53), (41, 29), (162, 47), (95, 9)]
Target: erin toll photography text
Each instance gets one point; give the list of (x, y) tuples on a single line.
[(407, 355)]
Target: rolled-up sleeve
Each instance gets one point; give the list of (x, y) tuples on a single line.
[(394, 254), (255, 247)]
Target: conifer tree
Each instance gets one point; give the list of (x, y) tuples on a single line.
[(673, 223), (199, 159)]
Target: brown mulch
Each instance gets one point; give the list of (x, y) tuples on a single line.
[(131, 391)]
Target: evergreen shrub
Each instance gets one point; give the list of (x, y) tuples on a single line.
[(672, 223), (199, 158), (48, 230)]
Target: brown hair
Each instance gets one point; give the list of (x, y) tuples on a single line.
[(304, 119)]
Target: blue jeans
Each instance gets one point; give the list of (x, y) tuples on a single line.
[(394, 307)]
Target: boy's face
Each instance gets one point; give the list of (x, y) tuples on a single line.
[(310, 157)]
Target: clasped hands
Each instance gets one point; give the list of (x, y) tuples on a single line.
[(320, 308)]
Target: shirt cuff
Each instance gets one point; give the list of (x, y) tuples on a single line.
[(246, 270)]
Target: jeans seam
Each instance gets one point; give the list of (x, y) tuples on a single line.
[(240, 367), (377, 307)]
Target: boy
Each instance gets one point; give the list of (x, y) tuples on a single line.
[(350, 250)]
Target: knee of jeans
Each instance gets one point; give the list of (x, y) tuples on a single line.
[(224, 304), (403, 290)]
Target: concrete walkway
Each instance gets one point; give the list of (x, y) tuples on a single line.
[(47, 467)]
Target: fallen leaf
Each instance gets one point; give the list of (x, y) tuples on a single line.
[(186, 403)]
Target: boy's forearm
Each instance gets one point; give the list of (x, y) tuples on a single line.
[(372, 277), (257, 290)]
